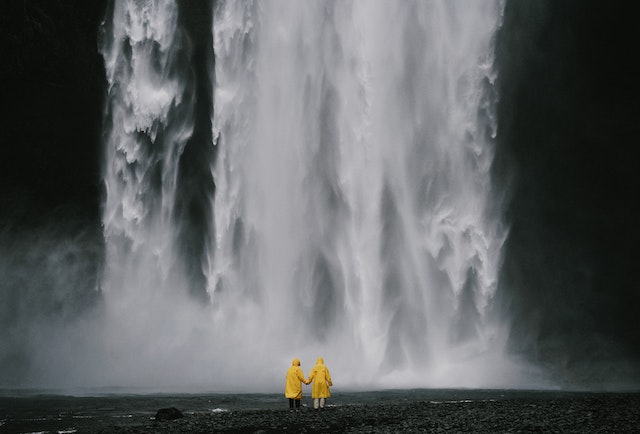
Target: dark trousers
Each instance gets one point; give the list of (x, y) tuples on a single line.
[(296, 401)]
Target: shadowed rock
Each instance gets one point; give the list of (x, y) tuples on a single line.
[(170, 413)]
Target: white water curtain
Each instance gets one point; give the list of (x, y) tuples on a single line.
[(353, 215)]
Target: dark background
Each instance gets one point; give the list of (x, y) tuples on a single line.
[(566, 156), (52, 86), (568, 132)]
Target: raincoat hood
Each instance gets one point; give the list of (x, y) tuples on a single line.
[(295, 362), (320, 361)]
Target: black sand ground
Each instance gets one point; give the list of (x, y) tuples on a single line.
[(549, 413)]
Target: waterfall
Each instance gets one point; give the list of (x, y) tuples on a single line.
[(149, 121), (353, 216)]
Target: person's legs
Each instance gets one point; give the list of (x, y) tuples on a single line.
[(321, 402), (316, 403), (298, 401), (291, 403)]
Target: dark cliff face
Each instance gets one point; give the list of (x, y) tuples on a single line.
[(52, 85), (51, 98), (567, 141)]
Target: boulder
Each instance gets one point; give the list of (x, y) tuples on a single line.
[(170, 413)]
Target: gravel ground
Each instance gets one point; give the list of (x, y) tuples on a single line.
[(599, 414), (585, 413)]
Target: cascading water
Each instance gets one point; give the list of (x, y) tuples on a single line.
[(353, 214), (150, 119)]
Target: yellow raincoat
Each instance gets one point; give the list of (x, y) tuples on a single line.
[(295, 378), (321, 380)]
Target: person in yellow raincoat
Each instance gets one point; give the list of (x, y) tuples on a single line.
[(321, 382), (293, 386)]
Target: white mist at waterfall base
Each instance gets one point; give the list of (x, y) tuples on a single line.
[(354, 216)]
